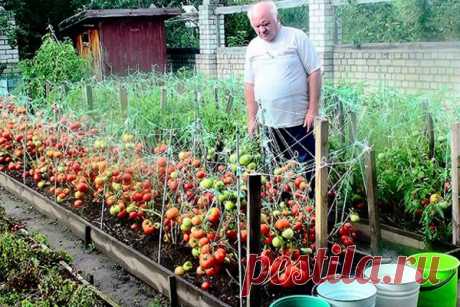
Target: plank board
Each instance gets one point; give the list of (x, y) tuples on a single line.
[(321, 188), (455, 148)]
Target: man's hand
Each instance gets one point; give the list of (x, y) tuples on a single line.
[(309, 120), (252, 128), (252, 108), (314, 85)]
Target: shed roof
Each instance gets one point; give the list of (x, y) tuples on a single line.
[(92, 15)]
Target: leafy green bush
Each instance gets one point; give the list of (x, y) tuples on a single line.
[(55, 62), (400, 21)]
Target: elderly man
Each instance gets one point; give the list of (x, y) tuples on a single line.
[(282, 84)]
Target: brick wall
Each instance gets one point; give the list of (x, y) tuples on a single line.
[(409, 66), (9, 57), (230, 61)]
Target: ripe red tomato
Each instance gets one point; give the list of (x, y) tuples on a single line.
[(148, 227), (336, 249), (205, 285), (264, 229), (207, 261), (214, 215), (219, 255)]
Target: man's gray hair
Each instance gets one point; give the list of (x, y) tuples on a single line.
[(273, 9)]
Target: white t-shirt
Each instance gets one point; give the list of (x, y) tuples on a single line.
[(279, 70)]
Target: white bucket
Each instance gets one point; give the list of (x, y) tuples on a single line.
[(354, 294), (390, 294)]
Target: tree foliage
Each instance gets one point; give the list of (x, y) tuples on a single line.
[(32, 20), (396, 21), (400, 21), (238, 31)]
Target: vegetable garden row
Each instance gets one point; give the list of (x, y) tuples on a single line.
[(31, 274), (162, 165)]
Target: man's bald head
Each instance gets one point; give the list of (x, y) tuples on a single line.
[(263, 7), (263, 17)]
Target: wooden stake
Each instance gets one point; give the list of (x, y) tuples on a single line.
[(47, 88), (173, 301), (341, 121), (455, 149), (253, 242), (429, 129), (88, 240), (163, 97), (373, 210), (229, 103), (353, 127), (216, 97), (89, 97), (198, 97), (430, 133), (321, 186), (124, 100)]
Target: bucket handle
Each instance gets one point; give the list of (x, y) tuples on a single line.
[(313, 290), (439, 285)]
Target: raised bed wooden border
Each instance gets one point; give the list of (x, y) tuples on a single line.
[(393, 234), (130, 259)]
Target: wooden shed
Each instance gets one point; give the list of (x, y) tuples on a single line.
[(120, 41)]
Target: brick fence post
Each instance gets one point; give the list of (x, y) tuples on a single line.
[(9, 58), (322, 33), (210, 37)]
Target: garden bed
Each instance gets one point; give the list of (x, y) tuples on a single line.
[(135, 262), (137, 254), (31, 273)]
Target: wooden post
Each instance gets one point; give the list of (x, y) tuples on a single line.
[(216, 97), (66, 88), (229, 103), (47, 88), (124, 100), (353, 127), (429, 128), (321, 187), (88, 240), (373, 210), (430, 134), (198, 97), (163, 97), (455, 149), (89, 96), (253, 242), (173, 301), (341, 121)]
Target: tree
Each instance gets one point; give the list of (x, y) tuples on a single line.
[(32, 20)]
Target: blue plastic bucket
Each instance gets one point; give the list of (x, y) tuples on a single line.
[(354, 294), (300, 301)]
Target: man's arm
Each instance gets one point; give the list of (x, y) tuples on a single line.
[(251, 106), (314, 92)]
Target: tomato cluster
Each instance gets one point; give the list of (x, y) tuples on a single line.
[(148, 189)]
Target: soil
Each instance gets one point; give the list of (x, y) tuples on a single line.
[(109, 277), (224, 287)]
